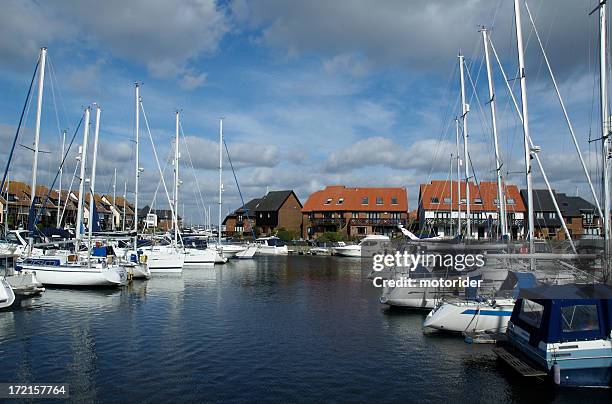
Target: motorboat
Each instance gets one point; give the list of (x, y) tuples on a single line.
[(563, 332), (477, 314), (271, 246), (372, 243), (72, 270)]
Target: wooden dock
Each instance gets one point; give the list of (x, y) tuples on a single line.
[(516, 363)]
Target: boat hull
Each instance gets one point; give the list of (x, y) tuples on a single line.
[(470, 316), (77, 275), (195, 257), (349, 251), (7, 296)]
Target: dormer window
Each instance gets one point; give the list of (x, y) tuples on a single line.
[(510, 201), (447, 200), (364, 200), (478, 201), (394, 200), (340, 201), (328, 201), (379, 200), (435, 199)]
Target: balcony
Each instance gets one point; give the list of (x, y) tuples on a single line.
[(377, 222), (328, 221)]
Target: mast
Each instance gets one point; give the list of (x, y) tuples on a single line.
[(176, 180), (525, 115), (41, 83), (83, 156), (500, 190), (605, 128), (450, 176), (124, 199), (59, 187), (137, 171), (220, 176), (114, 196), (6, 198), (458, 180), (465, 108), (92, 191)]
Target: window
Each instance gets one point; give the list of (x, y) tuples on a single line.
[(435, 199), (361, 230), (478, 201), (581, 317), (355, 214), (531, 313), (340, 201), (373, 215), (510, 201), (539, 215), (394, 200), (328, 201), (552, 215), (463, 201), (379, 200), (447, 200), (495, 201), (364, 200), (396, 215), (268, 215)]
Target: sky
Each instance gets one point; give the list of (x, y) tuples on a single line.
[(313, 93)]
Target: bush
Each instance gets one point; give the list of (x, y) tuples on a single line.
[(286, 235), (331, 237)]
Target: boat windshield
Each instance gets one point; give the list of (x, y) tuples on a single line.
[(580, 317), (531, 313)]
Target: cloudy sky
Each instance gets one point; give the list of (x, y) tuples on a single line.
[(355, 92)]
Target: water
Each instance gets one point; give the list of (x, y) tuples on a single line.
[(279, 328)]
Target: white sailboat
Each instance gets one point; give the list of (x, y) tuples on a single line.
[(7, 296)]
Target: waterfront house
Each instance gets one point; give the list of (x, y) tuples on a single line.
[(355, 211), (580, 215), (164, 218), (438, 210), (117, 214), (266, 215)]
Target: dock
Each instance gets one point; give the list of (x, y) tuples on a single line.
[(519, 365)]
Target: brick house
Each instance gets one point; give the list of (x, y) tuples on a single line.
[(356, 212), (275, 210), (164, 218), (437, 205), (580, 215)]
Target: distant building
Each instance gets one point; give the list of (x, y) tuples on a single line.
[(164, 218), (438, 209), (17, 196), (266, 215), (355, 211), (580, 215)]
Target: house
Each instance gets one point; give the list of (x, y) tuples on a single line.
[(356, 212), (581, 217), (438, 211), (164, 218), (120, 210), (266, 215)]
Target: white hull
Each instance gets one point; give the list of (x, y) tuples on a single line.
[(348, 251), (79, 275), (230, 250), (195, 257), (164, 260), (272, 250), (7, 297), (470, 316), (248, 253), (138, 271), (414, 298)]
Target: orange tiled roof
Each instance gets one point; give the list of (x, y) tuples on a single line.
[(352, 199), (486, 191)]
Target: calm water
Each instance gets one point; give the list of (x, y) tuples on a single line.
[(280, 328)]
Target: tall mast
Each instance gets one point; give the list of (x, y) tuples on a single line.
[(176, 179), (137, 171), (114, 196), (6, 198), (458, 180), (41, 83), (500, 190), (83, 156), (124, 199), (220, 176), (450, 176), (605, 127), (59, 187), (92, 191), (465, 108), (525, 115)]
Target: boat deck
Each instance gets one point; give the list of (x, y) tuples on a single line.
[(516, 363)]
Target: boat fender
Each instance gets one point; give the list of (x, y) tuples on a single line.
[(556, 374)]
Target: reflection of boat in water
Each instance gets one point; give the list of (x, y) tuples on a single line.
[(564, 332), (7, 296)]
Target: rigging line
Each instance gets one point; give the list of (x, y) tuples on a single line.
[(239, 191), (59, 89), (192, 168), (76, 166), (26, 102), (144, 115), (565, 114), (59, 130), (159, 182), (42, 208)]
